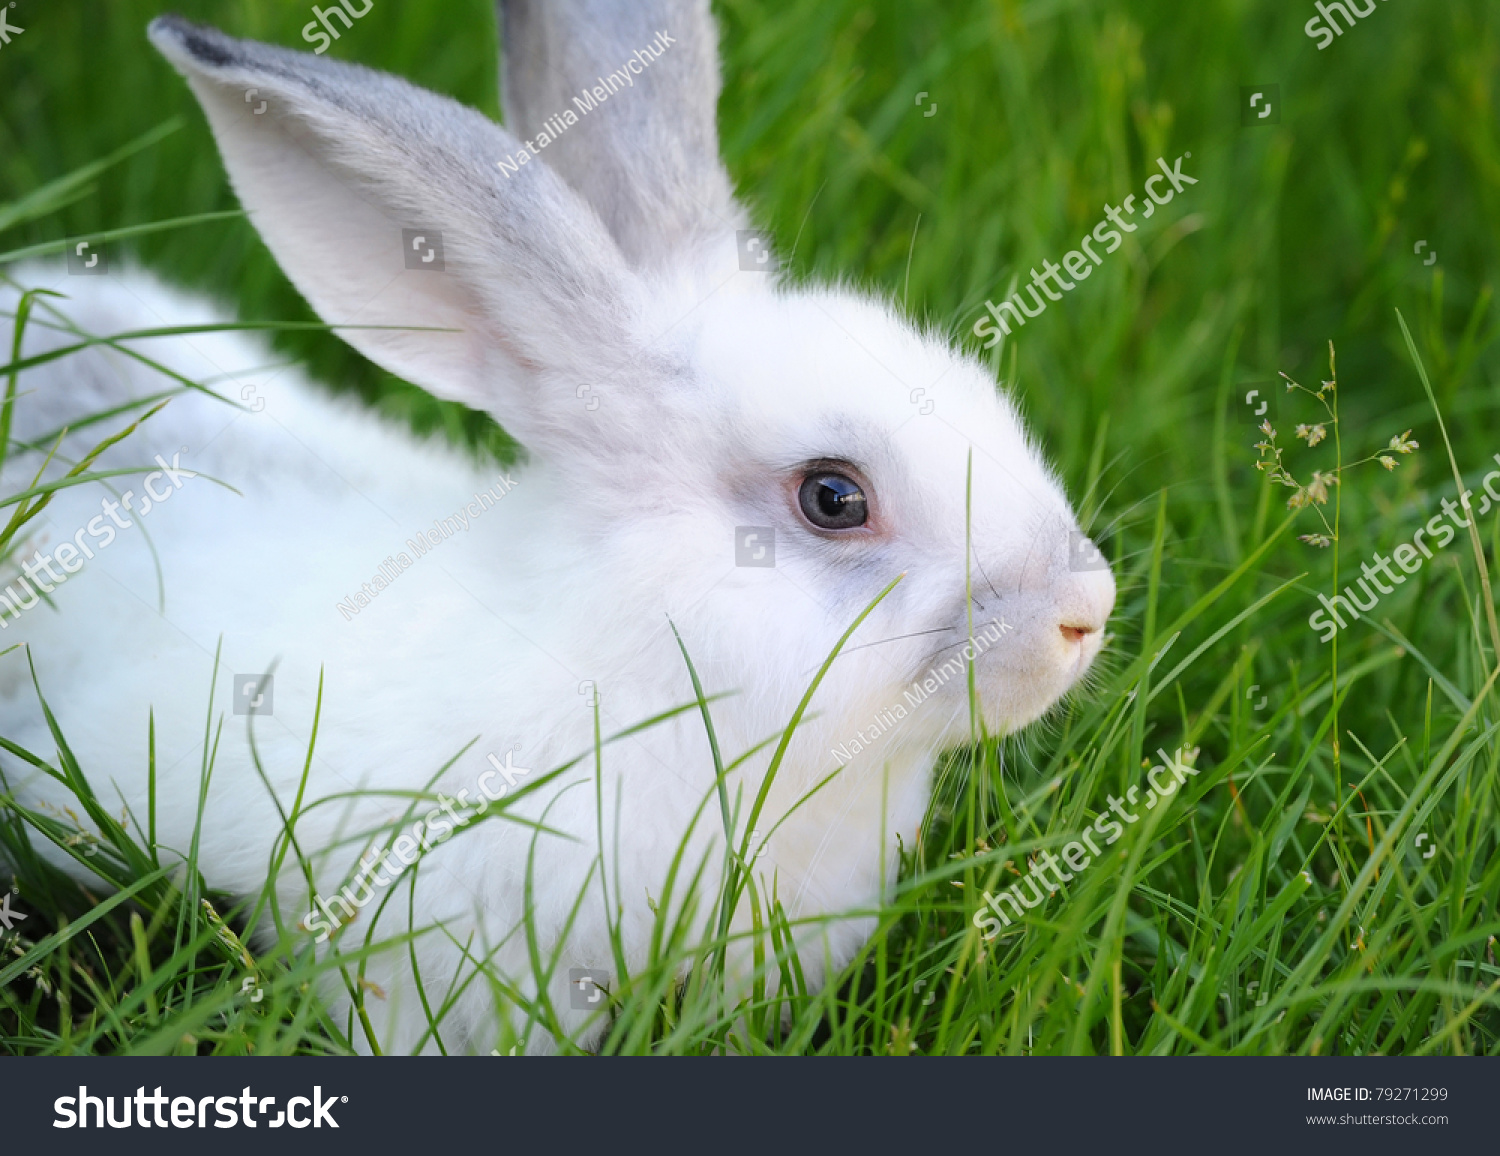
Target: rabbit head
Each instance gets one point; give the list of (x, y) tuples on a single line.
[(754, 459)]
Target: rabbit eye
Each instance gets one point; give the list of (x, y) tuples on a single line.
[(832, 501)]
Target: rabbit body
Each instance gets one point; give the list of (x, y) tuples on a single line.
[(668, 402)]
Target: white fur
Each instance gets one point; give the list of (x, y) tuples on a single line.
[(715, 386)]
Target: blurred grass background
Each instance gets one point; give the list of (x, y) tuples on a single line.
[(1297, 234)]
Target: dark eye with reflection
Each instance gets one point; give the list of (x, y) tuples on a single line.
[(833, 501)]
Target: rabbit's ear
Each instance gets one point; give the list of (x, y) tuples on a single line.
[(384, 205), (642, 79)]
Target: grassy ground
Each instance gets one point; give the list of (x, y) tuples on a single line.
[(1329, 882)]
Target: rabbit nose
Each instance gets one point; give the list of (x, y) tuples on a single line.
[(1084, 602)]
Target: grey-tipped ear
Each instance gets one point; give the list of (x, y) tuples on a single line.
[(642, 79), (384, 205)]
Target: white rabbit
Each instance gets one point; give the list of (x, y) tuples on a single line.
[(672, 403)]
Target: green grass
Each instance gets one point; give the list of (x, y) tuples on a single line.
[(1291, 861)]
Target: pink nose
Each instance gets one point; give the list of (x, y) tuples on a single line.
[(1075, 633)]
